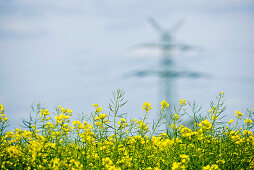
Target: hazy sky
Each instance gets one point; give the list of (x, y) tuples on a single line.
[(75, 53)]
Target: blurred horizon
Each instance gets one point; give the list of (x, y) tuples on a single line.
[(76, 53)]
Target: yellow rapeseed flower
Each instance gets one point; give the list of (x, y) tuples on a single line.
[(76, 122), (182, 102), (185, 158), (44, 112), (96, 118), (134, 120), (147, 106), (205, 125), (238, 114), (103, 116), (213, 167), (177, 166), (176, 116), (248, 121), (95, 105), (1, 107), (231, 121), (99, 109), (164, 104), (247, 132), (214, 117), (5, 120)]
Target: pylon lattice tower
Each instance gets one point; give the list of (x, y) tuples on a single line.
[(167, 72)]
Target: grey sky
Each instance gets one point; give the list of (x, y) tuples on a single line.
[(75, 53)]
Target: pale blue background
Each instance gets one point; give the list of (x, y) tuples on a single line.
[(76, 52)]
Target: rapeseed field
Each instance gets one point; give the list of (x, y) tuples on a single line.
[(110, 139)]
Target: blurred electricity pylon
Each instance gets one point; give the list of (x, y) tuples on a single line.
[(167, 71)]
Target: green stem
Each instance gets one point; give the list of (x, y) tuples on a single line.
[(157, 123)]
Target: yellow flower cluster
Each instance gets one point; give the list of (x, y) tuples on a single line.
[(164, 105), (44, 112), (65, 111), (64, 116), (247, 132), (231, 121), (97, 144), (2, 109), (97, 108), (3, 118), (182, 102), (205, 126), (109, 164), (178, 166), (77, 125), (47, 126), (186, 132), (142, 126), (61, 119), (212, 167), (147, 106), (214, 117), (87, 136), (100, 119), (123, 124), (248, 121), (238, 114), (185, 159), (176, 117)]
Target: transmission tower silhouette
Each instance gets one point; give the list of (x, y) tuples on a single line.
[(167, 72)]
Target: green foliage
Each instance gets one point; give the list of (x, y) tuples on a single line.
[(115, 141)]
